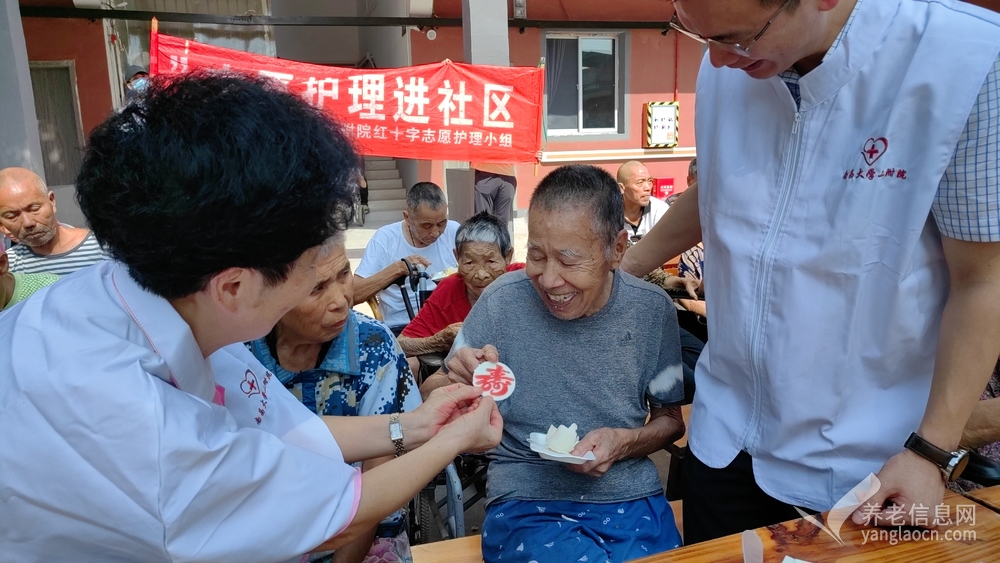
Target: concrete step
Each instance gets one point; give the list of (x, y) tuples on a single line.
[(379, 165), (381, 195), (387, 205), (381, 174), (382, 218), (376, 185), (375, 158)]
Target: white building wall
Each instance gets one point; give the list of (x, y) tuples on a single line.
[(320, 45), (389, 48)]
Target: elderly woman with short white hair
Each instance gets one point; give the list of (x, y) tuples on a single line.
[(483, 250)]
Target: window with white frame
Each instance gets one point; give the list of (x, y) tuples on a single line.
[(582, 84)]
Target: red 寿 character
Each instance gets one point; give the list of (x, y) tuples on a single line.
[(495, 381)]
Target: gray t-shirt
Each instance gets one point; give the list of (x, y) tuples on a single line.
[(604, 370)]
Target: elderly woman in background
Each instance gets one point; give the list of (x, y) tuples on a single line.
[(589, 345), (339, 362), (484, 251)]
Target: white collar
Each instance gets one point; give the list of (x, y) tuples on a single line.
[(169, 336)]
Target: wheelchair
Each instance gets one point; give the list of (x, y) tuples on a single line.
[(432, 515)]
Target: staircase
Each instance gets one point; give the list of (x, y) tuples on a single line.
[(386, 194)]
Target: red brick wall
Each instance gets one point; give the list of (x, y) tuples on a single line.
[(52, 39)]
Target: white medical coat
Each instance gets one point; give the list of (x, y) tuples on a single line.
[(824, 266), (114, 450)]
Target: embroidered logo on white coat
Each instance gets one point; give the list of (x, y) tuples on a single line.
[(874, 149), (871, 151), (249, 385)]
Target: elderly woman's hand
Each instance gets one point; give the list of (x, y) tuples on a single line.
[(466, 360), (449, 333)]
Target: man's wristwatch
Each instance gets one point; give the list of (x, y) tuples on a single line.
[(951, 464), (396, 433)]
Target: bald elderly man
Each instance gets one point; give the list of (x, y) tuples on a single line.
[(642, 210), (28, 213)]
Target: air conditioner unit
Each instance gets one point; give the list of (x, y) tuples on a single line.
[(421, 8)]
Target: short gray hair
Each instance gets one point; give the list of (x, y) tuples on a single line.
[(338, 240), (484, 228), (589, 187), (427, 193)]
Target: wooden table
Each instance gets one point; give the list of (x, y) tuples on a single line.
[(461, 550), (989, 497), (978, 541)]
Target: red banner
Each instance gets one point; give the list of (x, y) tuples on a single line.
[(442, 111)]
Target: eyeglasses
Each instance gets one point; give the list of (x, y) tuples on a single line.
[(735, 48)]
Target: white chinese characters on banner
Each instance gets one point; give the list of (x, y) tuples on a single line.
[(448, 104), (318, 91), (178, 64), (411, 97), (493, 100), (367, 93), (435, 136), (435, 108)]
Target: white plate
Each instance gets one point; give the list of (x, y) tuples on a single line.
[(539, 444)]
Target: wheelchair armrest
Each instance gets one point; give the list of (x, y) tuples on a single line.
[(432, 361)]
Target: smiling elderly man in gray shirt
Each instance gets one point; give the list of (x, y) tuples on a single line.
[(588, 345)]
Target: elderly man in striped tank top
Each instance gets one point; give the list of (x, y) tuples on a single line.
[(28, 212)]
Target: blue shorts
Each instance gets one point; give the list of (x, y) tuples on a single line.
[(565, 531)]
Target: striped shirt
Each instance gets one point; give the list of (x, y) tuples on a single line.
[(967, 205), (25, 261)]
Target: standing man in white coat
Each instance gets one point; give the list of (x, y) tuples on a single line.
[(847, 203)]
